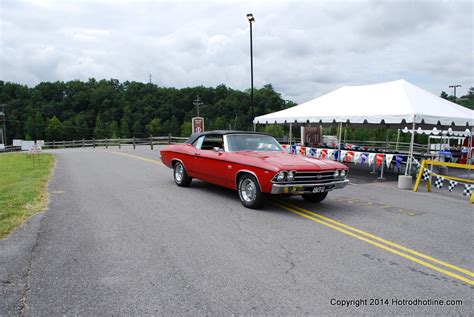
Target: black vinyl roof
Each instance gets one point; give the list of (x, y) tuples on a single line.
[(195, 136)]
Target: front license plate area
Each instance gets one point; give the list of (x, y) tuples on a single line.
[(318, 190)]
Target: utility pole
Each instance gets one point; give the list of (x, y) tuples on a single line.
[(4, 124), (149, 75), (454, 87), (197, 103)]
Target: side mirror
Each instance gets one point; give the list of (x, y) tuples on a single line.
[(218, 149)]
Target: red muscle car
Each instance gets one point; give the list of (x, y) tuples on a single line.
[(253, 163)]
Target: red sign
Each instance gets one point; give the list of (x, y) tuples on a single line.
[(312, 135), (198, 124)]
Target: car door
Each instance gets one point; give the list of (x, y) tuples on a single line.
[(208, 164)]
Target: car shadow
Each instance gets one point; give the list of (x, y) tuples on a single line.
[(328, 206)]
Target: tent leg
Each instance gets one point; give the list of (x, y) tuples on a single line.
[(410, 153), (398, 139), (339, 143), (381, 171), (289, 136), (373, 169)]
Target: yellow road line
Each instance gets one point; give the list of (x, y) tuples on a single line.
[(421, 255), (138, 158), (327, 222), (352, 234)]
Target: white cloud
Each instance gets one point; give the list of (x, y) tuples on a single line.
[(304, 48)]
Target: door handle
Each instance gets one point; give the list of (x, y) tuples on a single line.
[(197, 154)]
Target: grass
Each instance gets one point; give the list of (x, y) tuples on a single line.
[(23, 192)]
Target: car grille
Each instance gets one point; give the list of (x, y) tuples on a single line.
[(313, 177)]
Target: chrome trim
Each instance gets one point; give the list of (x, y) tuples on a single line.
[(246, 171), (293, 188), (175, 159)]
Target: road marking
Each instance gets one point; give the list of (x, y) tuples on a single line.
[(337, 226), (139, 158), (359, 234)]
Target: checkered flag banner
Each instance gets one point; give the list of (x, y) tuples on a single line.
[(426, 174), (467, 190), (439, 182), (452, 185)]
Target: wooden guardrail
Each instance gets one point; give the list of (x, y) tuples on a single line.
[(424, 165), (151, 141)]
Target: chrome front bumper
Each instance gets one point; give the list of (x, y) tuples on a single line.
[(298, 189)]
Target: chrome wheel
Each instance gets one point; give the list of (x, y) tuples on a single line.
[(248, 190), (179, 172), (181, 177)]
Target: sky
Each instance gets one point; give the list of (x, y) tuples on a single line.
[(303, 48)]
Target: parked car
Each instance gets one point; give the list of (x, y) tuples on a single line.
[(254, 164)]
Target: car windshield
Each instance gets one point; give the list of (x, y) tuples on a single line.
[(252, 142)]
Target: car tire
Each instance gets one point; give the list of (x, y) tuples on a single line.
[(181, 177), (315, 198), (249, 192)]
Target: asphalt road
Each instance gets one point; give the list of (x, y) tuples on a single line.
[(119, 237)]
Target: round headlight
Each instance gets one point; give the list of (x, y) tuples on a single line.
[(280, 176), (290, 176), (336, 173), (343, 173)]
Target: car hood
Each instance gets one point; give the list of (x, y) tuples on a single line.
[(285, 161)]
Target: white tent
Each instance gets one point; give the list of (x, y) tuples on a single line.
[(393, 103)]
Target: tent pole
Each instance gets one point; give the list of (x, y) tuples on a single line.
[(289, 136), (469, 153), (339, 145), (410, 152), (345, 133), (398, 139), (254, 127)]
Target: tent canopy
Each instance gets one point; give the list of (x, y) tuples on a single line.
[(393, 103)]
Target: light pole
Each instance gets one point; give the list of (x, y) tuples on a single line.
[(251, 21), (454, 87), (4, 124)]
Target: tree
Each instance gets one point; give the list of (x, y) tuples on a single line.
[(137, 129), (99, 130), (55, 130), (186, 128), (154, 127), (124, 128), (171, 126), (275, 129), (113, 130)]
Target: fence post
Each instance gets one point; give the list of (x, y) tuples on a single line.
[(93, 143), (151, 142), (134, 143), (83, 143), (106, 143), (54, 145), (73, 143), (64, 144), (119, 142), (169, 138)]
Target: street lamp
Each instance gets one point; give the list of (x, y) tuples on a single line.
[(454, 86), (251, 21)]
